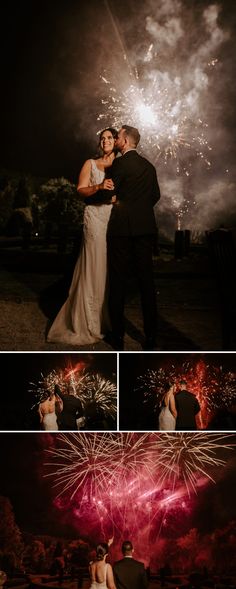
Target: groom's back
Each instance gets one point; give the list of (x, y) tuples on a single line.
[(187, 407), (137, 192), (130, 574)]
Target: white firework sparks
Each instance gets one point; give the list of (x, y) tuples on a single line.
[(97, 460), (89, 387), (168, 129), (188, 456)]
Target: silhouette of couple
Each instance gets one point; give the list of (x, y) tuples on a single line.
[(119, 227), (178, 410), (59, 410), (126, 573)]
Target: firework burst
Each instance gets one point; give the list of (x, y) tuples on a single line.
[(214, 386), (95, 461), (161, 91), (97, 390), (91, 388), (169, 129), (94, 471), (161, 83), (84, 464), (188, 457), (44, 384), (153, 384), (119, 484), (126, 478)]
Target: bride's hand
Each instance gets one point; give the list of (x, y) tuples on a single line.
[(110, 541), (107, 184)]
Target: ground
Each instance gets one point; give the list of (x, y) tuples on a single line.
[(34, 283)]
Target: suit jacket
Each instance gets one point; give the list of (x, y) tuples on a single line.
[(72, 409), (187, 407), (137, 191), (130, 574)]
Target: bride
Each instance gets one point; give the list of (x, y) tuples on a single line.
[(101, 574), (83, 319), (168, 413)]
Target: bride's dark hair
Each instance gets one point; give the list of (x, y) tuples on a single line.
[(101, 550), (114, 133), (165, 390), (112, 130)]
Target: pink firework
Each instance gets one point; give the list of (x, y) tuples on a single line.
[(115, 482)]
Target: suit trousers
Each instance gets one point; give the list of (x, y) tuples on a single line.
[(128, 254)]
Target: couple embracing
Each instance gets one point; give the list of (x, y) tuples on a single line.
[(126, 573), (118, 229), (178, 409)]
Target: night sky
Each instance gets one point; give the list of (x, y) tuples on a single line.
[(55, 57), (22, 483), (47, 49), (24, 368)]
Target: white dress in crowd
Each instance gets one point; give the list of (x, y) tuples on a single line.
[(83, 319), (103, 584), (166, 420), (50, 422)]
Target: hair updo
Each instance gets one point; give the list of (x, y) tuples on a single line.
[(101, 550), (113, 132)]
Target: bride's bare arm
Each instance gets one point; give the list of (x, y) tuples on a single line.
[(83, 187), (40, 414)]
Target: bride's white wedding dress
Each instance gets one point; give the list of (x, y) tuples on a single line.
[(166, 420), (83, 319), (49, 422), (103, 584)]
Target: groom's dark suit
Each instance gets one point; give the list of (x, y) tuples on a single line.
[(130, 234), (187, 407), (130, 574), (72, 410)]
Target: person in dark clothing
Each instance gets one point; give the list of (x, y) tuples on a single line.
[(130, 236), (187, 407), (72, 409), (128, 572)]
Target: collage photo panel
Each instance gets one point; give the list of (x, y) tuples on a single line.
[(118, 295)]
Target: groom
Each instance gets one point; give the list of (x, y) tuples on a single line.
[(72, 409), (128, 572), (130, 235), (187, 407)]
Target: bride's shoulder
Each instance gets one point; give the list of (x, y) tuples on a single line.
[(86, 167)]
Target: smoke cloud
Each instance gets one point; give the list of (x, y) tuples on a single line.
[(177, 57), (166, 67)]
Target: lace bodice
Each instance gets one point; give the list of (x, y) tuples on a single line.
[(96, 175)]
